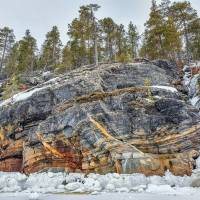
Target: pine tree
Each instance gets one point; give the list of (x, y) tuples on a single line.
[(122, 51), (133, 38), (154, 33), (172, 41), (165, 8), (27, 50), (6, 41), (93, 8), (77, 43), (90, 31), (86, 43), (184, 15), (119, 39), (12, 60), (143, 51), (67, 60), (83, 33), (108, 28), (51, 49), (194, 29)]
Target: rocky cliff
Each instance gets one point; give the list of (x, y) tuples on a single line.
[(125, 118)]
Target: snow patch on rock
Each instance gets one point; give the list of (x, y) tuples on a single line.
[(195, 100), (21, 96), (168, 88)]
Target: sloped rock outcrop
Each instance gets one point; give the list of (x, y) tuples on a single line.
[(125, 118), (192, 83), (194, 91)]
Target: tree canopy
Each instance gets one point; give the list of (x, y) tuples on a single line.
[(172, 31)]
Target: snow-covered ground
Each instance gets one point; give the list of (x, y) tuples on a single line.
[(102, 196), (61, 185), (61, 182)]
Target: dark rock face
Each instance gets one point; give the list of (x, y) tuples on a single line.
[(194, 91), (34, 78), (192, 83), (102, 119), (169, 67)]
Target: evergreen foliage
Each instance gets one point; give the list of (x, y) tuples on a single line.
[(12, 60), (162, 37), (171, 32), (12, 87), (184, 16), (6, 41), (133, 39), (51, 49), (26, 53)]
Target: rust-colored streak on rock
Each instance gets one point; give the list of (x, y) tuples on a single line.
[(11, 165), (10, 154), (54, 151), (55, 155)]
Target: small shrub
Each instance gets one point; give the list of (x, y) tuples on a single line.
[(61, 68), (147, 83), (11, 87), (124, 58)]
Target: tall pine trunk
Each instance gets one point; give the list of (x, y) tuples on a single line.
[(4, 51), (95, 44), (187, 43)]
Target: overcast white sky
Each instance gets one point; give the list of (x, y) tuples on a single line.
[(40, 15)]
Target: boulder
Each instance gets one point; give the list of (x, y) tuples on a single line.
[(102, 119)]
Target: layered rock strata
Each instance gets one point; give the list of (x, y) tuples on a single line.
[(124, 118)]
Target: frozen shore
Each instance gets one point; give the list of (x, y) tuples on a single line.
[(103, 196), (61, 185)]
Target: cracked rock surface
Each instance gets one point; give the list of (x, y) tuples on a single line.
[(125, 118)]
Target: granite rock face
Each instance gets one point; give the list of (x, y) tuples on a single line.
[(125, 118)]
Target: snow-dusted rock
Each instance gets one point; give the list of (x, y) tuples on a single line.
[(101, 119), (73, 186)]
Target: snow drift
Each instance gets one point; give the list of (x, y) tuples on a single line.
[(61, 182)]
